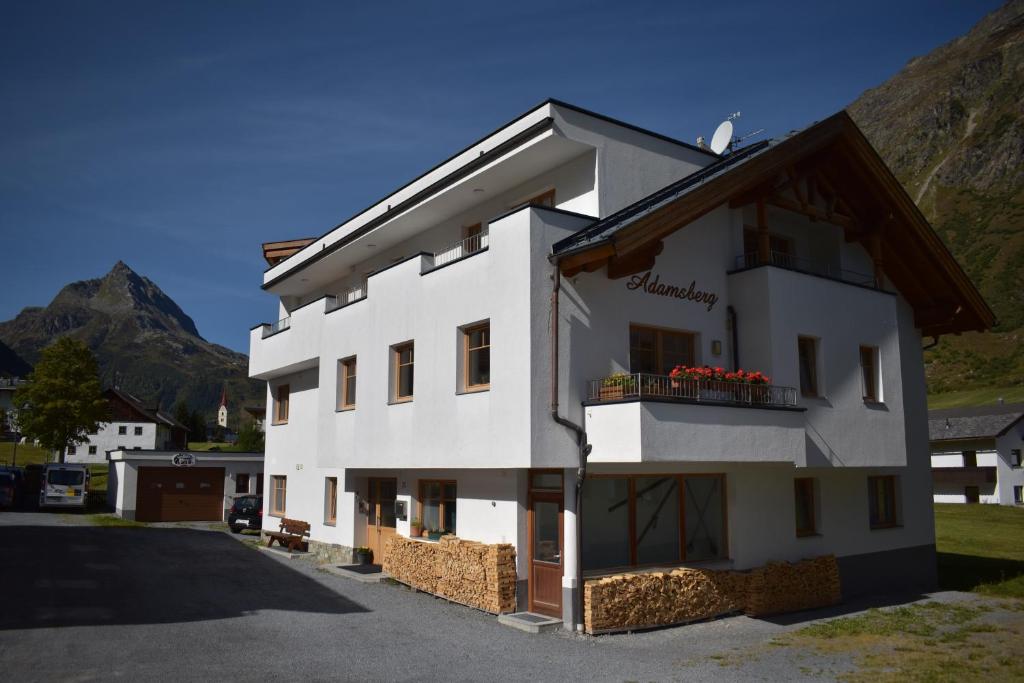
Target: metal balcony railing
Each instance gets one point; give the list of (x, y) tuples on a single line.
[(347, 296), (788, 261), (641, 386), (274, 328), (464, 247)]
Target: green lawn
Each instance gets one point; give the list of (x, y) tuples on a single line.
[(981, 548), (975, 397), (30, 455), (209, 446)]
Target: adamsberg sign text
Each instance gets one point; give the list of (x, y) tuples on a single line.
[(653, 286)]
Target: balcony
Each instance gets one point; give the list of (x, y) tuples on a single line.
[(653, 418), (349, 295), (788, 261), (473, 244)]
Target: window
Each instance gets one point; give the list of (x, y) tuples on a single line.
[(645, 520), (347, 383), (655, 351), (281, 404), (437, 505), (882, 502), (869, 373), (806, 518), (477, 357), (122, 430), (807, 347), (970, 458), (138, 431), (403, 372), (259, 483), (331, 501), (546, 198), (278, 495), (242, 483), (1018, 495), (72, 450), (1015, 457), (92, 450)]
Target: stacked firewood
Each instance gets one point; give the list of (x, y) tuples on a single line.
[(471, 573), (644, 599), (649, 599), (781, 587)]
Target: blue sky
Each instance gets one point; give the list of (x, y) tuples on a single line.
[(179, 136)]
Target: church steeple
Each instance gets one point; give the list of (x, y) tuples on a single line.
[(222, 411)]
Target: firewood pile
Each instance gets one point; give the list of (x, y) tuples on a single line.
[(781, 587), (467, 572), (641, 600)]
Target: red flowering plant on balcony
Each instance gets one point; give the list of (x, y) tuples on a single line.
[(709, 374)]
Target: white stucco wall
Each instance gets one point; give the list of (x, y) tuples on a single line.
[(107, 439)]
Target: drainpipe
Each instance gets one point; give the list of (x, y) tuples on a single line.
[(581, 443), (731, 312)]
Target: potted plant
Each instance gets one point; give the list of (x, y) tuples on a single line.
[(362, 555), (425, 533), (617, 386), (415, 528)]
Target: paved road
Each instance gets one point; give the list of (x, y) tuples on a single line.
[(81, 602)]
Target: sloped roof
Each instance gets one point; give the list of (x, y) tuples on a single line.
[(154, 414), (982, 422)]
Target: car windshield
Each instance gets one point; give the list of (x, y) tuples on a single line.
[(65, 477)]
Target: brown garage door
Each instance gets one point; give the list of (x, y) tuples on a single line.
[(180, 494)]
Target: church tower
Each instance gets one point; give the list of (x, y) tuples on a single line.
[(222, 412)]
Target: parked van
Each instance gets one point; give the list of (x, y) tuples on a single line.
[(63, 486)]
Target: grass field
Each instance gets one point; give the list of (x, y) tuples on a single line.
[(33, 455), (981, 548), (209, 446), (975, 397)]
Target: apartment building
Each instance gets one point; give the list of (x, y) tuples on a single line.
[(539, 342), (976, 454)]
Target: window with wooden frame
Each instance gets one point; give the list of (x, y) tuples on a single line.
[(882, 502), (807, 348), (869, 373), (438, 505), (1015, 457), (331, 500), (656, 351), (402, 358), (281, 401), (635, 520), (278, 495), (476, 357), (241, 483), (347, 383), (806, 516)]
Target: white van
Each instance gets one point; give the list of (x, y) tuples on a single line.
[(64, 486)]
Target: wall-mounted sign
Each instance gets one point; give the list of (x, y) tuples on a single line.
[(183, 460), (654, 286)]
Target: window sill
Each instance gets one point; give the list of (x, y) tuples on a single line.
[(335, 523), (474, 390), (277, 515), (399, 401), (346, 409), (278, 424)]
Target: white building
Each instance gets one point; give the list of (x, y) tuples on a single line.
[(134, 426), (976, 454), (415, 357)]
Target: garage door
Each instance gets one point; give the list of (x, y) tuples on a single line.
[(180, 494)]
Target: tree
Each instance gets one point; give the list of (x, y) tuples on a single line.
[(197, 427), (250, 439), (182, 414), (62, 403)]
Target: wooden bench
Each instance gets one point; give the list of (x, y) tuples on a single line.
[(293, 534)]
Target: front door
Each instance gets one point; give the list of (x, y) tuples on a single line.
[(545, 524), (380, 518)]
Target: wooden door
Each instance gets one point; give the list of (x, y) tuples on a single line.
[(179, 494), (545, 540), (380, 518)]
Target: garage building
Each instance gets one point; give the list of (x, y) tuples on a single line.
[(180, 486)]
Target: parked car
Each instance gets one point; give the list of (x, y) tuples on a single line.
[(246, 513), (10, 487), (64, 485)]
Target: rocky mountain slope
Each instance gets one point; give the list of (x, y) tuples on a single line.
[(11, 365), (951, 127), (142, 339)]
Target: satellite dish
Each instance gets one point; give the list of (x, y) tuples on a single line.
[(722, 137)]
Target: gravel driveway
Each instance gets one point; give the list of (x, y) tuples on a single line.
[(83, 602)]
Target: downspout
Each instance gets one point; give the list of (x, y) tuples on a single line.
[(731, 312), (581, 443)]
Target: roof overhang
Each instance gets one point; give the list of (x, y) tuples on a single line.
[(877, 212)]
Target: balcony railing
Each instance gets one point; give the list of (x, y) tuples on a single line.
[(347, 296), (464, 247), (274, 328), (788, 261), (641, 386)]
